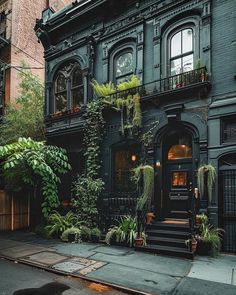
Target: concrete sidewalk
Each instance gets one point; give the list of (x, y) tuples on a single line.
[(122, 266)]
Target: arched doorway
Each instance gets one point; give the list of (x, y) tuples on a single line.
[(177, 173)]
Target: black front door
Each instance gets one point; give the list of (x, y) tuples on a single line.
[(177, 176), (176, 191)]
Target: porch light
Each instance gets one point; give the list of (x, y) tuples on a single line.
[(158, 164), (133, 158)]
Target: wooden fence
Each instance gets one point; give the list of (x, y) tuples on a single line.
[(14, 211)]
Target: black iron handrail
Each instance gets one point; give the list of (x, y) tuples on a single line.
[(169, 83)]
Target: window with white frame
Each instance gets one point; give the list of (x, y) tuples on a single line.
[(181, 51)]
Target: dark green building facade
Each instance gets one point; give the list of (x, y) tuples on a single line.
[(184, 53)]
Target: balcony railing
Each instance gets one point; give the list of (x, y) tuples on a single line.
[(166, 85)]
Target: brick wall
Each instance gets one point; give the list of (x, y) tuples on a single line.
[(59, 4), (25, 46)]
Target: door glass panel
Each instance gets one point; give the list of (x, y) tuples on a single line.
[(180, 151), (179, 179)]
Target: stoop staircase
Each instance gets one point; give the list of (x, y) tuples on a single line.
[(168, 238)]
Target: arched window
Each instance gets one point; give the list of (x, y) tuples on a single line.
[(77, 88), (179, 146), (182, 51), (123, 65), (60, 93), (68, 87)]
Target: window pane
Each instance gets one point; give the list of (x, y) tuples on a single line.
[(124, 64), (77, 96), (176, 66), (60, 102), (188, 63), (77, 78), (125, 161), (187, 39), (180, 151), (176, 45), (60, 83), (179, 179)]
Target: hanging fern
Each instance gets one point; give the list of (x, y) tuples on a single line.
[(146, 173), (211, 175), (137, 114), (133, 82)]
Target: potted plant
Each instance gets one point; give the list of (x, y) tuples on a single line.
[(85, 233), (192, 243), (209, 240), (125, 232), (201, 218), (95, 235), (206, 173), (71, 235), (149, 217)]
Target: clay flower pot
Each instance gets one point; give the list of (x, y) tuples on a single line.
[(138, 242), (150, 217)]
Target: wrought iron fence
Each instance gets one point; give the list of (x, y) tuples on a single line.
[(228, 208)]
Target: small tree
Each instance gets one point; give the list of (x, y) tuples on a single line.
[(33, 162), (24, 118)]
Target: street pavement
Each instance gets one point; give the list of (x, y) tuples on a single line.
[(132, 271), (19, 279)]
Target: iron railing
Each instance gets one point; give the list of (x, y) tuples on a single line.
[(171, 83)]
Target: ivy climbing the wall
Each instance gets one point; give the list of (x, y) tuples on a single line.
[(88, 187)]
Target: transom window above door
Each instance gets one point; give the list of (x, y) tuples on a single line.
[(179, 146), (182, 51), (68, 87), (123, 66)]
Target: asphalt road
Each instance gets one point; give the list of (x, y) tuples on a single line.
[(18, 279)]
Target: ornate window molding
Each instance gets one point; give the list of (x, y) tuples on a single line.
[(180, 46), (68, 87), (122, 63)]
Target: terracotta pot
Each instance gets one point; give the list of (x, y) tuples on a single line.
[(138, 242), (150, 217), (198, 220), (194, 246)]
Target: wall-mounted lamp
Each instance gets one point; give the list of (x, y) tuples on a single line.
[(133, 158), (158, 164)]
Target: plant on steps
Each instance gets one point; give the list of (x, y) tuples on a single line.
[(144, 178), (208, 171), (33, 163), (124, 232)]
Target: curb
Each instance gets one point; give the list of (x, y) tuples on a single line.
[(60, 272)]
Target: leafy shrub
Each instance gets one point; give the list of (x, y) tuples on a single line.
[(58, 223), (85, 233), (96, 232)]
